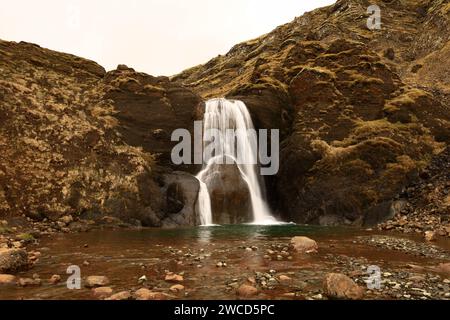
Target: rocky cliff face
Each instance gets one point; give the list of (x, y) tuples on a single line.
[(361, 111), (75, 139)]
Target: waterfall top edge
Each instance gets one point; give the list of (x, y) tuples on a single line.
[(222, 99)]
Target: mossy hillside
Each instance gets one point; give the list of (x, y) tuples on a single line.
[(61, 151)]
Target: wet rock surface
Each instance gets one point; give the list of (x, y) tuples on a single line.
[(230, 196)]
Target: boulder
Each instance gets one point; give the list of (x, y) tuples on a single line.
[(246, 291), (180, 192), (304, 245), (13, 260), (146, 294), (96, 281), (7, 280), (54, 279), (67, 219), (284, 278), (123, 295), (176, 288), (102, 292), (28, 282), (430, 236), (172, 277), (339, 286), (230, 196), (443, 268)]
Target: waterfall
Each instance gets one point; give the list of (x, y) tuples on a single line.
[(204, 204), (222, 115)]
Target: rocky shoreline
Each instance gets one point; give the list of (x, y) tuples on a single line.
[(338, 276), (424, 206)]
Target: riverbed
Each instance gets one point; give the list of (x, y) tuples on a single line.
[(214, 261)]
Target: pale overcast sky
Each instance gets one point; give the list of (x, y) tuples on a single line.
[(159, 37)]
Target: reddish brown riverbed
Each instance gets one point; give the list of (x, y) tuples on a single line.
[(126, 255)]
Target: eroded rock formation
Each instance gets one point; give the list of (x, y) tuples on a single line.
[(75, 139), (361, 112)]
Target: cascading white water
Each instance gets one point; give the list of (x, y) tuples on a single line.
[(223, 115), (204, 204)]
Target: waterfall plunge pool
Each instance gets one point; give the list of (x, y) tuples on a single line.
[(249, 252)]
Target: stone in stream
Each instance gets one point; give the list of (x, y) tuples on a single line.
[(339, 286), (443, 268), (7, 280), (102, 292), (142, 279), (430, 235), (284, 278), (28, 282), (172, 277), (54, 279), (96, 281), (304, 245), (123, 295), (146, 294), (247, 291), (176, 288), (13, 260), (66, 219)]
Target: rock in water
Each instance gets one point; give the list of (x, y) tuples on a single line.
[(430, 235), (443, 268), (123, 295), (171, 277), (13, 260), (102, 292), (7, 280), (230, 197), (339, 286), (55, 279), (284, 278), (142, 279), (247, 291), (304, 245), (28, 282), (176, 288), (146, 294), (96, 281)]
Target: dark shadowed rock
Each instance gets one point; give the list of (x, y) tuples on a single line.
[(230, 196), (181, 192), (148, 109)]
